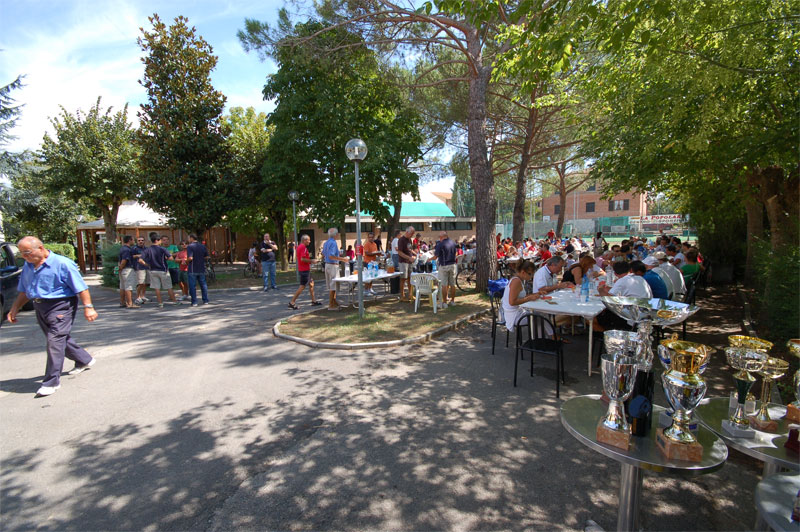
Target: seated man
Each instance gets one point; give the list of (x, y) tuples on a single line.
[(652, 279), (691, 267), (625, 285), (653, 266)]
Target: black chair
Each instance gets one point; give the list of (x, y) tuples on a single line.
[(689, 300), (535, 339), (497, 319)]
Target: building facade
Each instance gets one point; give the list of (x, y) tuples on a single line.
[(587, 211)]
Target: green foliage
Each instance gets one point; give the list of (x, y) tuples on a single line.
[(65, 250), (182, 138), (778, 292), (92, 158), (9, 113), (323, 100), (110, 254)]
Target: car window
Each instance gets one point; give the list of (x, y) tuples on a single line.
[(5, 257), (19, 261)]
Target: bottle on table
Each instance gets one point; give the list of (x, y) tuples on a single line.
[(585, 288)]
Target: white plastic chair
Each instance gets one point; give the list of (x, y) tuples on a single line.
[(426, 284)]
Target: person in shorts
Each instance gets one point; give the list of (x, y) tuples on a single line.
[(304, 262), (183, 270), (127, 275), (407, 258), (141, 272), (330, 254), (154, 258), (445, 253)]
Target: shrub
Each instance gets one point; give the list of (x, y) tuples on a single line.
[(110, 256), (62, 249)]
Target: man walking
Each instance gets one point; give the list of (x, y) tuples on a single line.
[(330, 254), (445, 252), (196, 254), (54, 284), (304, 262), (267, 250)]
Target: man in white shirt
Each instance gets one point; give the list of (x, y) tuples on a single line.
[(675, 257), (654, 264), (674, 274), (395, 256), (544, 280), (625, 285)]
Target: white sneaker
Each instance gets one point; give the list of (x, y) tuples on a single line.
[(146, 299), (371, 293), (77, 370), (47, 390), (451, 304)]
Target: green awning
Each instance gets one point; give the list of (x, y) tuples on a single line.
[(418, 209)]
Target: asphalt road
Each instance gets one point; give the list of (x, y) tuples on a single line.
[(199, 419)]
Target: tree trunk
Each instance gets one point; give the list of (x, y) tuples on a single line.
[(518, 231), (279, 218), (110, 220), (562, 201), (482, 179), (393, 223)]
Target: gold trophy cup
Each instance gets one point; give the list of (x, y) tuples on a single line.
[(772, 370), (793, 409)]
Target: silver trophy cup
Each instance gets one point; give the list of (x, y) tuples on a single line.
[(619, 375)]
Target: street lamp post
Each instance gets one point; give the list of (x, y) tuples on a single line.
[(293, 195), (356, 151)]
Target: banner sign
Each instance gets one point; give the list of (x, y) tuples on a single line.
[(663, 219)]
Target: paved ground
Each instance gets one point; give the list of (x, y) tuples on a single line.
[(198, 419)]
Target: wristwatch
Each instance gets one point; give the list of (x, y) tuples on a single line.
[(88, 306)]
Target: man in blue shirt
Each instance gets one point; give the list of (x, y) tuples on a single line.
[(141, 272), (657, 285), (330, 253), (155, 259), (54, 284), (267, 250), (445, 252), (196, 254), (127, 275)]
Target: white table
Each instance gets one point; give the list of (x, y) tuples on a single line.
[(352, 280), (566, 303), (774, 499)]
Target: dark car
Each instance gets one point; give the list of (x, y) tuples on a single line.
[(11, 263)]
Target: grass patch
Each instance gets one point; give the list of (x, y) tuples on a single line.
[(235, 279), (384, 320)]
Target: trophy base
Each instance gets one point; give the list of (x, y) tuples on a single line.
[(615, 438), (731, 429), (792, 443), (665, 420), (793, 413), (764, 426), (690, 452)]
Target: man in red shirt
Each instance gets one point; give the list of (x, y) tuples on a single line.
[(551, 234), (544, 253), (304, 262)]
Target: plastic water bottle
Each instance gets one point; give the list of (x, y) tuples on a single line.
[(585, 289), (434, 266), (609, 277)]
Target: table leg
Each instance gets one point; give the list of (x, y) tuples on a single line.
[(591, 337), (630, 489)]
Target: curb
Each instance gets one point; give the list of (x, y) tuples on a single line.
[(365, 345)]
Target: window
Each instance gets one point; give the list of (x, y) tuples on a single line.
[(556, 209), (589, 206), (351, 228), (451, 226), (619, 205), (591, 187)]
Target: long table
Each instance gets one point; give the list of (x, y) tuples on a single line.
[(566, 303), (352, 281)]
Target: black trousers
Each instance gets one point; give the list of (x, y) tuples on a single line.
[(55, 317)]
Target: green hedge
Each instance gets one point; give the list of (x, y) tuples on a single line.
[(110, 256), (62, 249)]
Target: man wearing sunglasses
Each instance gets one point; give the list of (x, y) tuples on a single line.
[(54, 284)]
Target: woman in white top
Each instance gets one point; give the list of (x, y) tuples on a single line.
[(515, 295)]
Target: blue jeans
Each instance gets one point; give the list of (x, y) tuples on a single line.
[(396, 261), (193, 280), (268, 269)]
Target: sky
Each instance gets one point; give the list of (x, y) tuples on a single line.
[(72, 51)]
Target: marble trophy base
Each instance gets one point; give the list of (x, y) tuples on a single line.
[(792, 442), (691, 452), (793, 414), (614, 438), (764, 426), (731, 429)]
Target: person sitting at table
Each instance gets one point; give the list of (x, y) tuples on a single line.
[(657, 286), (371, 253), (577, 270), (515, 295), (500, 253), (544, 280), (654, 266), (626, 285), (674, 274), (544, 252), (691, 267)]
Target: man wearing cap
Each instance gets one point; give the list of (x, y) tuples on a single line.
[(652, 265), (674, 274), (652, 279), (54, 284)]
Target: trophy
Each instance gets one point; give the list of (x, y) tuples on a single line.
[(772, 370), (745, 360), (619, 373), (793, 409), (684, 388), (639, 406), (666, 350)]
